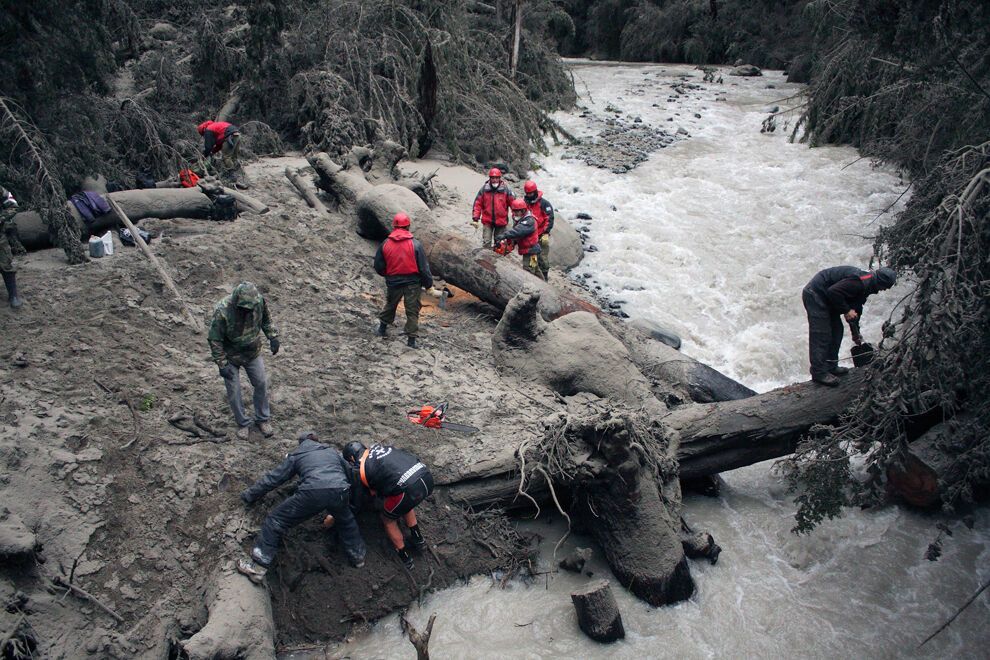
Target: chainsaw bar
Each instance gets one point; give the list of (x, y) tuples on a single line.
[(460, 428)]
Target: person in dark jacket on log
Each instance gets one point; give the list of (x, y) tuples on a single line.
[(491, 207), (8, 239), (832, 294), (401, 481), (402, 262), (525, 234), (542, 210), (324, 485)]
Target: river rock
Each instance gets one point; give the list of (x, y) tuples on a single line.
[(746, 70), (565, 245), (656, 331), (575, 561)]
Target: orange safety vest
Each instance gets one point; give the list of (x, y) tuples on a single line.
[(364, 477)]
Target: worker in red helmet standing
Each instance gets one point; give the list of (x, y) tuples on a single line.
[(402, 262), (542, 210), (525, 235), (491, 207), (225, 138)]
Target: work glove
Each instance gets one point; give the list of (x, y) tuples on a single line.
[(275, 345), (247, 497), (228, 371), (475, 220), (858, 339)]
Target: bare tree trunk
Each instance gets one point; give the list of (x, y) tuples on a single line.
[(598, 613), (514, 64)]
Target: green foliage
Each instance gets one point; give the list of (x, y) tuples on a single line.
[(350, 72), (767, 33), (147, 402)]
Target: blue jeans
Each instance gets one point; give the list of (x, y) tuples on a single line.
[(256, 374), (305, 504)]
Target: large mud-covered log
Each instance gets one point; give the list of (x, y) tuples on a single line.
[(597, 612), (240, 622), (162, 203), (716, 437), (572, 354)]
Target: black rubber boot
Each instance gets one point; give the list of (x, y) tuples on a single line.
[(382, 330), (10, 281), (839, 371), (411, 342), (404, 557), (826, 379), (417, 538)]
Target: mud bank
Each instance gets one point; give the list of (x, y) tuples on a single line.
[(143, 516)]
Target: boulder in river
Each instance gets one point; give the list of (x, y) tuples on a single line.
[(746, 70)]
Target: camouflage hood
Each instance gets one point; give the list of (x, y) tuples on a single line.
[(246, 295)]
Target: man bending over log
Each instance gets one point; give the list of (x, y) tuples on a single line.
[(834, 293), (402, 481)]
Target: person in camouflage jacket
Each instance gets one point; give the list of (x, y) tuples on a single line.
[(8, 239), (235, 342)]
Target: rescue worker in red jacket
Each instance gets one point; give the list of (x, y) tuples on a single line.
[(223, 137), (401, 480), (401, 261), (491, 207), (525, 235), (542, 210)]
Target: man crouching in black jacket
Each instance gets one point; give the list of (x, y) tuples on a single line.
[(324, 484)]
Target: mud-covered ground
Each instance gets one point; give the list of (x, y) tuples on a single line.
[(142, 515)]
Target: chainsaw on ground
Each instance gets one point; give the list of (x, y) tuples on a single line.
[(435, 417)]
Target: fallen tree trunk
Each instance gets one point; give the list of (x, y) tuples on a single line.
[(305, 190), (162, 203), (716, 437), (710, 438)]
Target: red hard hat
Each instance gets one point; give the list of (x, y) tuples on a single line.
[(494, 172), (530, 187), (202, 127), (400, 220), (518, 205)]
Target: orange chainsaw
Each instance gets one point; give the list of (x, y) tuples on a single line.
[(435, 417), (504, 247)]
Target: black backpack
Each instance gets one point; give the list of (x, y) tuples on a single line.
[(224, 208), (144, 179)]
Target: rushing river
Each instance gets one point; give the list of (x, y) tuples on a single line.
[(714, 237)]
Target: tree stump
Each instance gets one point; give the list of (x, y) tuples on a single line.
[(598, 613)]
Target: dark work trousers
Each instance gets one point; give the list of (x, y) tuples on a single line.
[(824, 334), (305, 504), (409, 295)]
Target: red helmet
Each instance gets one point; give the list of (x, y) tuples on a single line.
[(518, 205), (400, 220), (202, 127), (494, 173), (530, 187)]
